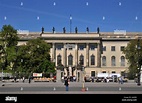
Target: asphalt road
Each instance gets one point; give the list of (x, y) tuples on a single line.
[(74, 88), (43, 91)]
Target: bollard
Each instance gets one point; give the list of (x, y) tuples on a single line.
[(87, 89), (119, 88), (54, 88), (21, 88)]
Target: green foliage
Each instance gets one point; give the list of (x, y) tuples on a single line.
[(8, 40), (24, 59), (131, 54), (9, 35), (35, 57)]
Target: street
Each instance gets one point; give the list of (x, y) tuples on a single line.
[(74, 88), (42, 91)]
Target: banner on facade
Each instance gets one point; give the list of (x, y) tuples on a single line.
[(70, 45), (37, 74)]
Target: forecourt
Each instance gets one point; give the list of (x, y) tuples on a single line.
[(74, 88)]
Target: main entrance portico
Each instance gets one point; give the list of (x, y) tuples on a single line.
[(71, 48)]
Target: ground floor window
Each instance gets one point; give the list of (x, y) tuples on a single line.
[(92, 73)]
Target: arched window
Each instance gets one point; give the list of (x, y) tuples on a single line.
[(122, 61), (113, 61), (82, 59), (104, 61), (59, 59), (92, 59), (70, 60)]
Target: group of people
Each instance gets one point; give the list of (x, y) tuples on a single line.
[(23, 79)]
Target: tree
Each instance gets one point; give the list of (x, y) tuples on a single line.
[(35, 57), (8, 41), (131, 54)]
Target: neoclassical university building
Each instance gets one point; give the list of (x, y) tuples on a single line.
[(98, 53)]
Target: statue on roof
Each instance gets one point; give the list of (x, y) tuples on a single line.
[(98, 30), (87, 29), (64, 30), (42, 29), (53, 30), (76, 30)]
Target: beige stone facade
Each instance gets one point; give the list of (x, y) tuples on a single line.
[(100, 53)]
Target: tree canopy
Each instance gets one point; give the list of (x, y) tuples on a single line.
[(35, 57), (29, 58), (8, 40), (132, 56)]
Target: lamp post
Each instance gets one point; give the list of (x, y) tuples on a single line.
[(83, 72), (2, 73), (139, 64)]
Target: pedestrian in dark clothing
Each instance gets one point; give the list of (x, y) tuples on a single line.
[(29, 79), (15, 79), (66, 84)]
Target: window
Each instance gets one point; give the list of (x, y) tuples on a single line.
[(59, 59), (104, 48), (103, 71), (112, 48), (113, 72), (122, 48), (104, 61), (92, 46), (69, 48), (122, 61), (92, 59), (81, 47), (59, 46), (70, 60), (92, 73), (81, 59), (113, 61)]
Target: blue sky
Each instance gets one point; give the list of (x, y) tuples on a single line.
[(109, 15)]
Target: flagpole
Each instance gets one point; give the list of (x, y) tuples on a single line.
[(70, 23)]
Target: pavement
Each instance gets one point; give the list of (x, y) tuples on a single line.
[(74, 88), (42, 91)]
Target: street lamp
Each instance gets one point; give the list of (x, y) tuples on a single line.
[(2, 73), (139, 64), (83, 72)]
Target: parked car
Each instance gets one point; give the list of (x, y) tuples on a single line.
[(88, 79), (99, 79)]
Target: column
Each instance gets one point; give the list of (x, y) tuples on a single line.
[(76, 54), (65, 59), (58, 76), (53, 52), (87, 54), (65, 56), (98, 56)]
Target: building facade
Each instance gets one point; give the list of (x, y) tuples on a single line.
[(98, 53)]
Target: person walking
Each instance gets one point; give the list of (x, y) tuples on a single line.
[(66, 84), (29, 79), (15, 79), (23, 79)]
